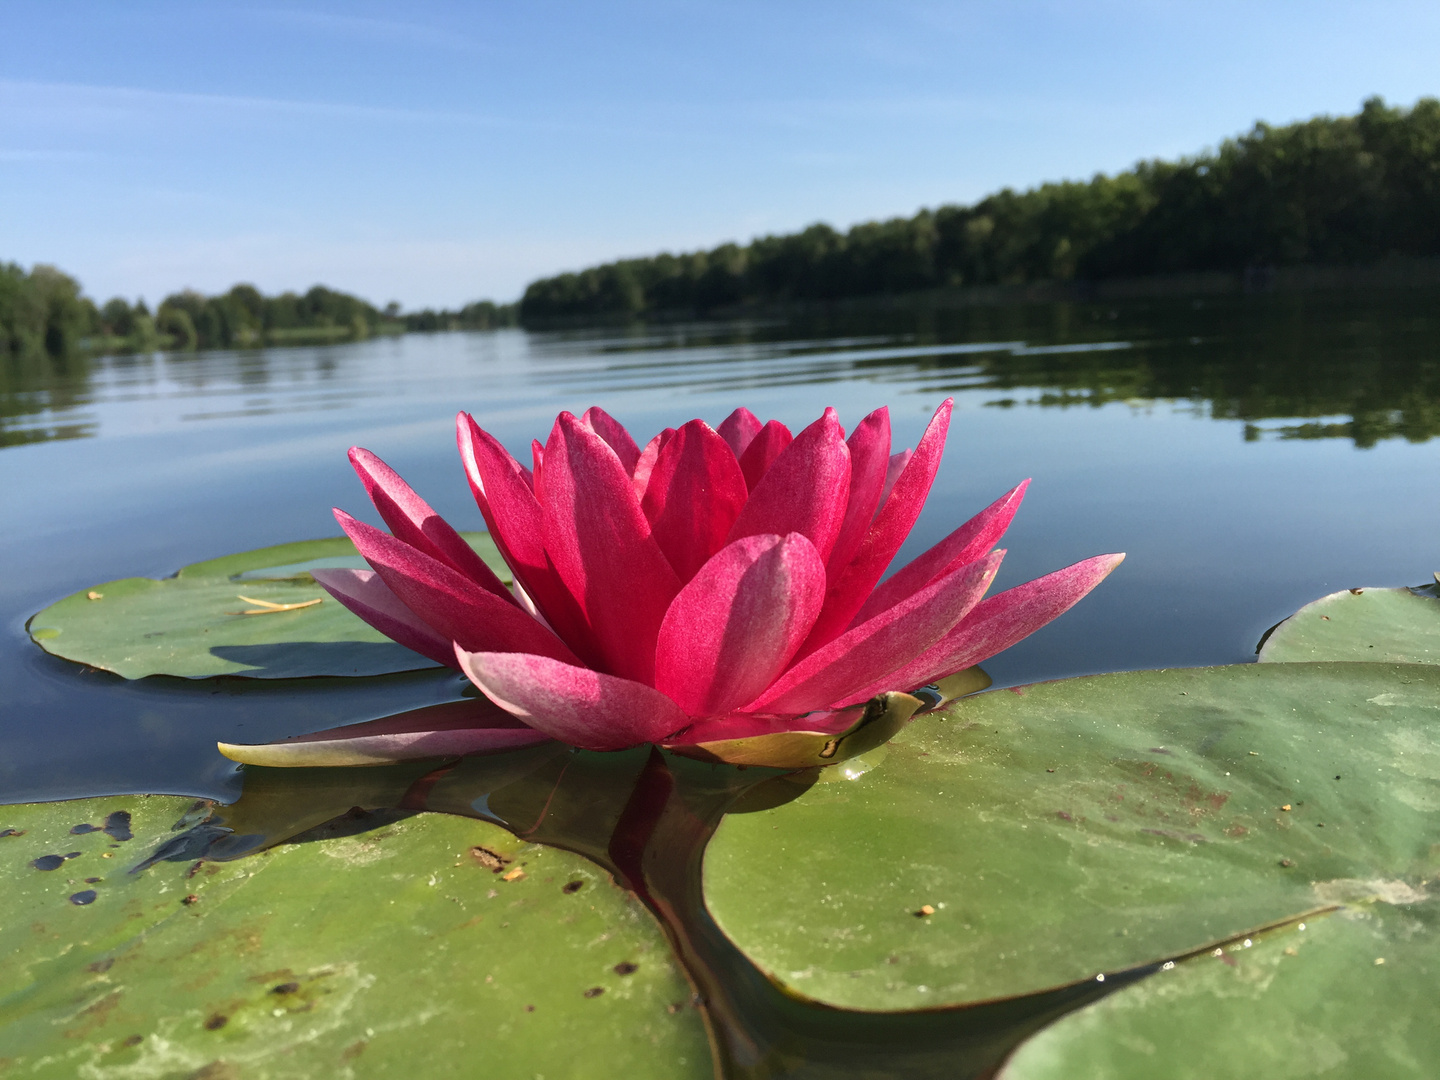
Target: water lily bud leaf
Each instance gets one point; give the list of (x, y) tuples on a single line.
[(253, 614), (1398, 626), (1088, 825), (874, 724), (376, 945)]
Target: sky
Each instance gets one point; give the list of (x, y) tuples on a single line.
[(434, 153)]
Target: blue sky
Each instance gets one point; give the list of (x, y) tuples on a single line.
[(434, 153)]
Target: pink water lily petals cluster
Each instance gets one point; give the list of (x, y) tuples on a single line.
[(717, 583)]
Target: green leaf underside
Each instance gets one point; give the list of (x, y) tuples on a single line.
[(1393, 626), (1297, 1004), (1159, 830), (186, 625), (371, 954)]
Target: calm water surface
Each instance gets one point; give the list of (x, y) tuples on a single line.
[(1249, 455)]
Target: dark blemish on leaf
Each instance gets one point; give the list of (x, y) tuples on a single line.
[(99, 967), (625, 967), (674, 1007), (72, 854), (529, 1008), (1161, 750), (191, 899), (1063, 816), (132, 1040), (80, 899), (48, 862), (1356, 592), (354, 1050), (194, 869), (1337, 778), (82, 829), (93, 880), (216, 1022), (1018, 691), (1319, 824), (490, 860), (1287, 862), (594, 992), (285, 988), (11, 832), (117, 826), (1237, 830), (572, 886)]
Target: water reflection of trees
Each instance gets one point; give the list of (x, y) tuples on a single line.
[(1364, 368)]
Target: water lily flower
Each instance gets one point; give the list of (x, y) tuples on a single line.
[(715, 591)]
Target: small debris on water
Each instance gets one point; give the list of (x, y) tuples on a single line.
[(625, 967), (93, 595), (1287, 862), (1049, 770), (1379, 960), (1254, 753), (1285, 807), (191, 899), (106, 855), (594, 992), (925, 910), (512, 875), (1356, 592)]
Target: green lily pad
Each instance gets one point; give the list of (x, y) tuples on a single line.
[(198, 624), (1392, 626), (1351, 996), (1024, 839), (380, 945)]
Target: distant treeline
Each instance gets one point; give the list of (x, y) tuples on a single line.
[(1347, 189), (481, 315), (43, 313)]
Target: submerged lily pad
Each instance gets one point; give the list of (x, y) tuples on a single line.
[(258, 614), (1395, 626), (382, 945), (1024, 839), (1351, 995)]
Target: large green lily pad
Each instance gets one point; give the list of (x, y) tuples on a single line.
[(1075, 827), (193, 624), (1396, 626), (1350, 996), (380, 947)]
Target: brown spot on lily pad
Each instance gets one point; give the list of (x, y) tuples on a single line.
[(594, 992), (625, 967)]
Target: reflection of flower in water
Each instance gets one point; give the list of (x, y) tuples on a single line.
[(718, 584)]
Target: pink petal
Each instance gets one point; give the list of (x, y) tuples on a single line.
[(738, 622), (537, 460), (576, 705), (805, 490), (411, 520), (964, 545), (451, 729), (739, 430), (365, 594), (512, 513), (888, 531), (893, 470), (768, 444), (646, 465), (452, 604), (872, 650), (997, 623), (749, 725), (600, 543), (869, 446), (615, 435), (694, 494)]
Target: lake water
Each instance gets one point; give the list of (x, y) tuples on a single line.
[(1250, 454)]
